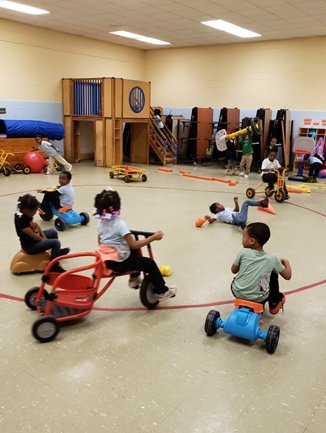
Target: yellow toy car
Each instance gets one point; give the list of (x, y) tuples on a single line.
[(128, 173)]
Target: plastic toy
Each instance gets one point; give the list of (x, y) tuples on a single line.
[(7, 168), (222, 136), (66, 216), (200, 221), (165, 270), (72, 294), (301, 147), (35, 161), (244, 322), (267, 209), (128, 173), (279, 193), (23, 263)]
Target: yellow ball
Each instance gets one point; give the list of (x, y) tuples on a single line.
[(165, 270)]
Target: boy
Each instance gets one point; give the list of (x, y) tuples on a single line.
[(268, 168), (257, 271), (247, 152), (60, 196), (53, 155), (234, 216)]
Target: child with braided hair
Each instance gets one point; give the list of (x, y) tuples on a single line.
[(114, 232)]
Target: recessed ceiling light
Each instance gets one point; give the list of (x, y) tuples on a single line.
[(231, 28), (18, 7), (139, 37)]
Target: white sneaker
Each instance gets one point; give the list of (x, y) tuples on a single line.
[(170, 293), (246, 176), (69, 167), (134, 283), (242, 173)]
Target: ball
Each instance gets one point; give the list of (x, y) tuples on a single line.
[(35, 161), (199, 222), (165, 270)]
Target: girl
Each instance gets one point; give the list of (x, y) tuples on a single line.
[(33, 240), (113, 232)]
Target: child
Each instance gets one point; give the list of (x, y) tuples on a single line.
[(272, 146), (53, 155), (268, 168), (114, 232), (257, 271), (316, 163), (62, 196), (247, 152), (233, 216), (33, 240), (157, 118)]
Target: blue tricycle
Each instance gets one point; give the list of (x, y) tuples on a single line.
[(244, 322), (66, 216)]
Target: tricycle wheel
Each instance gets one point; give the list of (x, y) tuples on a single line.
[(6, 172), (280, 195), (60, 224), (30, 298), (250, 193), (210, 327), (273, 336), (45, 329), (18, 167), (85, 218), (26, 169), (46, 216), (111, 174), (126, 179), (147, 296), (144, 178), (268, 192)]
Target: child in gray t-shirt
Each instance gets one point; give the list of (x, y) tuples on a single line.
[(257, 271)]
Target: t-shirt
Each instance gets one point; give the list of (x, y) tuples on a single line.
[(246, 145), (112, 233), (22, 222), (252, 280), (48, 148), (158, 122), (314, 160), (225, 216), (66, 195), (270, 165)]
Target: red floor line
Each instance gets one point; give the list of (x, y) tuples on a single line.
[(176, 307)]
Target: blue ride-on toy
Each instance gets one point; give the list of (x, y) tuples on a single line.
[(244, 322), (66, 216)]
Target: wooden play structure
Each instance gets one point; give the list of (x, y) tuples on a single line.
[(109, 103)]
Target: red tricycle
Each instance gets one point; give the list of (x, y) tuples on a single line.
[(73, 293)]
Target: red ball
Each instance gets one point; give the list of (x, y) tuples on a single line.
[(35, 161)]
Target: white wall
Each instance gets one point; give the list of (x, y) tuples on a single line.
[(279, 74)]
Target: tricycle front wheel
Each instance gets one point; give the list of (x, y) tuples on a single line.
[(147, 296)]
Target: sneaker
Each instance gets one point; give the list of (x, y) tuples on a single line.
[(277, 307), (58, 269), (241, 173), (265, 202), (170, 293), (287, 197), (246, 176), (69, 167), (64, 251), (134, 283)]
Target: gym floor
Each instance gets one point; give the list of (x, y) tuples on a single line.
[(124, 368)]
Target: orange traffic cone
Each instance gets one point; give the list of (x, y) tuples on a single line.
[(268, 209)]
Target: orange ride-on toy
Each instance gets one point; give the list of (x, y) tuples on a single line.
[(128, 173), (279, 192), (67, 296)]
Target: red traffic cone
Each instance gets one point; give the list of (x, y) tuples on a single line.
[(268, 209)]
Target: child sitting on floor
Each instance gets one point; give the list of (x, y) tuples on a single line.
[(114, 232), (59, 197), (234, 216), (257, 271), (32, 239)]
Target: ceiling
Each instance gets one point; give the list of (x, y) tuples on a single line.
[(178, 21)]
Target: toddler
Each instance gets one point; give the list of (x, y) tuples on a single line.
[(247, 152), (114, 232), (268, 168), (257, 271), (59, 197), (33, 240)]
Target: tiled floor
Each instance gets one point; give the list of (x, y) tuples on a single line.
[(126, 369)]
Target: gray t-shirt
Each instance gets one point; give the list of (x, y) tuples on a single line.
[(66, 195), (48, 148), (255, 268), (225, 216), (112, 232)]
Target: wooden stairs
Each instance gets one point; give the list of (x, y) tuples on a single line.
[(162, 142)]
